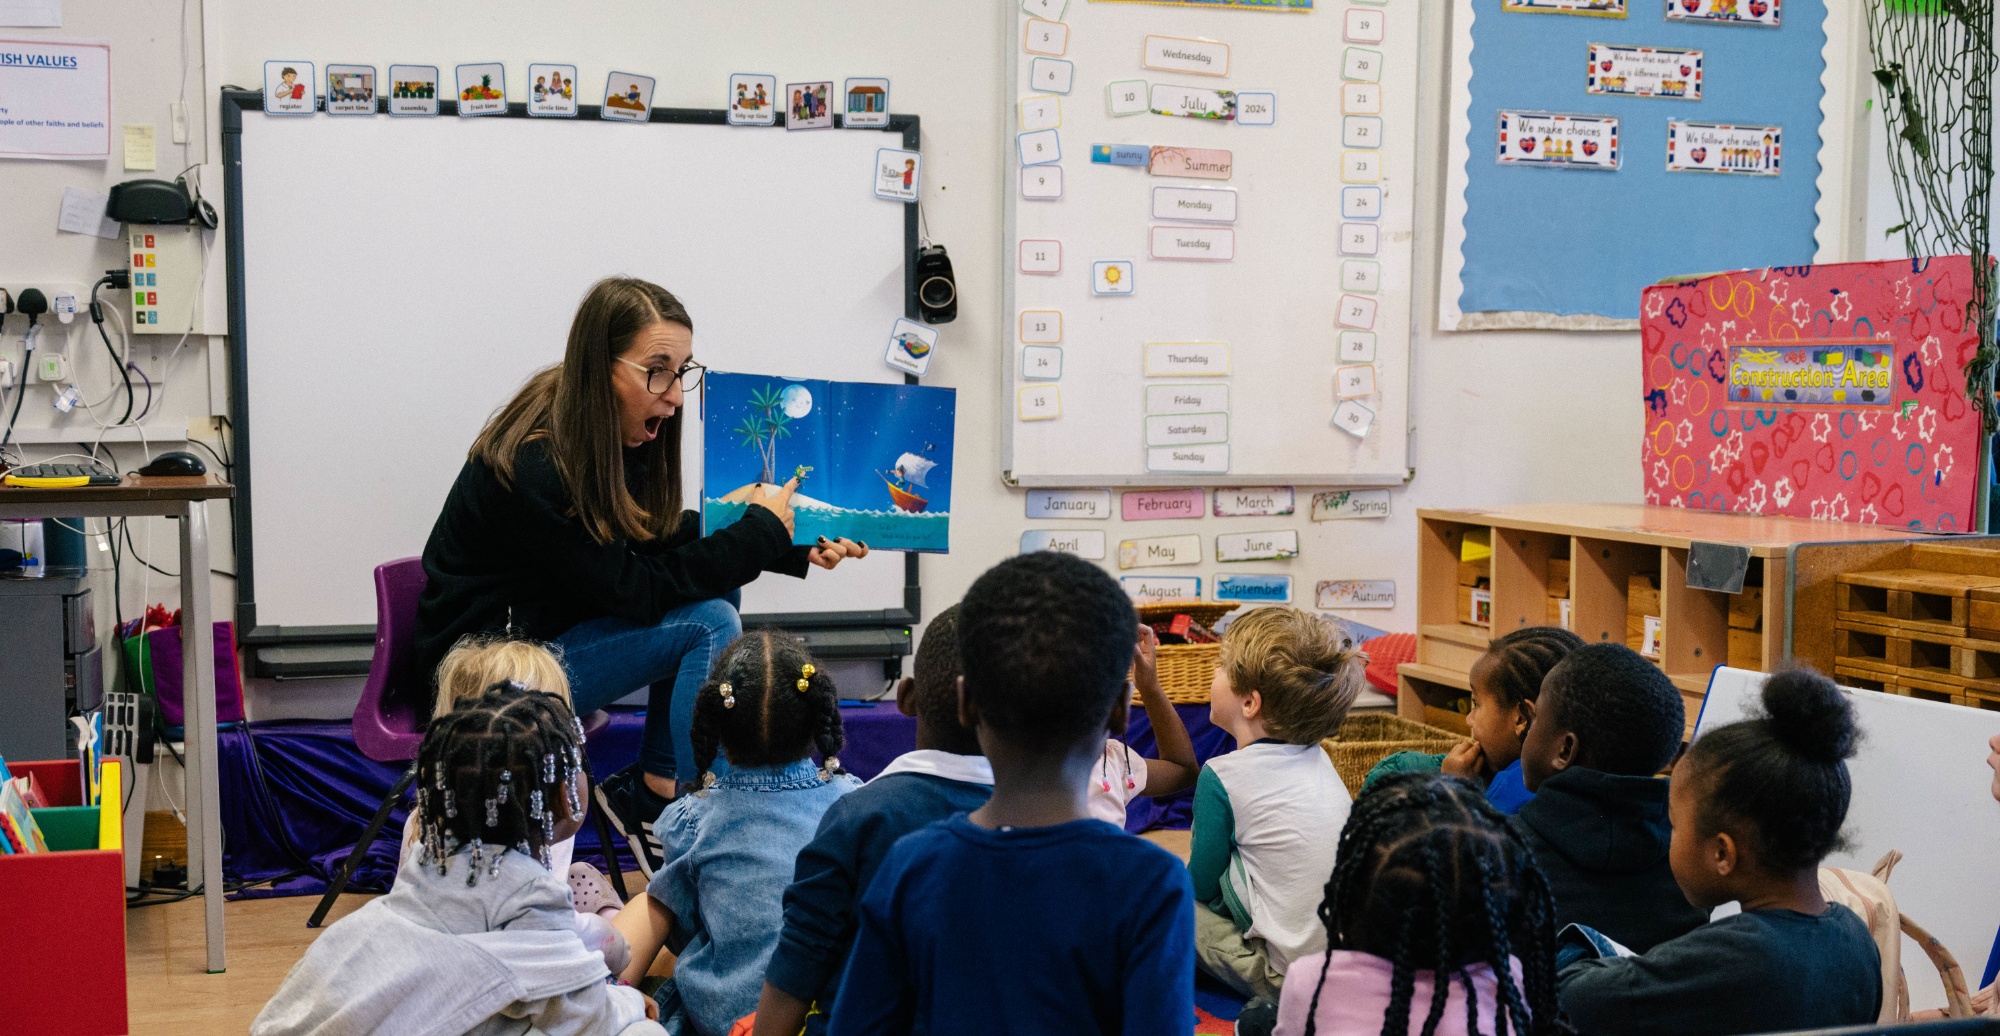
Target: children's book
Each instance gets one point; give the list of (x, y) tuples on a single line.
[(30, 794), (874, 462), (24, 831)]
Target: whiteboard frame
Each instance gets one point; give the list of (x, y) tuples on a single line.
[(1005, 412), (232, 106)]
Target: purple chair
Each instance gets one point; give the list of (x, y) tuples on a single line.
[(390, 718)]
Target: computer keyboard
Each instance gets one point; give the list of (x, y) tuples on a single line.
[(60, 476)]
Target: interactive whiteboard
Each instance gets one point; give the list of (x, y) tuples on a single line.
[(401, 277)]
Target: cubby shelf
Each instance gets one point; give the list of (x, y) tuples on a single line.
[(1610, 554)]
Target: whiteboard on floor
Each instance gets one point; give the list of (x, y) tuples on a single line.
[(1921, 786), (403, 276), (1277, 303)]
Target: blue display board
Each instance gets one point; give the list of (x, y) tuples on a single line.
[(1586, 241)]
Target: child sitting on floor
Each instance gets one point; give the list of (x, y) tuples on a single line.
[(475, 665), (1267, 816), (945, 775), (1756, 805), (1505, 683), (1434, 898), (1607, 722), (1027, 915), (1123, 774), (731, 846), (477, 937)]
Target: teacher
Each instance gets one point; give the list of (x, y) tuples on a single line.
[(565, 525)]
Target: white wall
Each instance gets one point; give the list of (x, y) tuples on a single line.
[(147, 72), (1501, 417)]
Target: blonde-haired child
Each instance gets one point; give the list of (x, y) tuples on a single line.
[(1267, 817), (475, 665)]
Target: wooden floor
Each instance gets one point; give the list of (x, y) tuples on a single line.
[(167, 986), (172, 995)]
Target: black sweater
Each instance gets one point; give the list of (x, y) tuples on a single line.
[(1759, 971), (1602, 841), (498, 550)]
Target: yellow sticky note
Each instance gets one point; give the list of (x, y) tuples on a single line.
[(139, 150)]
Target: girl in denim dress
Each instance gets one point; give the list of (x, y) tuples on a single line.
[(731, 846)]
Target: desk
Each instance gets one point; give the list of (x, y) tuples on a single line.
[(185, 498)]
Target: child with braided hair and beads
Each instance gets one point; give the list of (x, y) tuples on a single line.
[(1435, 919), (477, 938), (731, 846)]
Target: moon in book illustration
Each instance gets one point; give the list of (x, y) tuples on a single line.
[(797, 401)]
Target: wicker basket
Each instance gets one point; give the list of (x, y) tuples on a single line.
[(1367, 738), (1186, 670)]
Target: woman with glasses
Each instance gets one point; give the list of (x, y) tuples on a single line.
[(566, 525)]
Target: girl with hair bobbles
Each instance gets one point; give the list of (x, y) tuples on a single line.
[(566, 525), (718, 903)]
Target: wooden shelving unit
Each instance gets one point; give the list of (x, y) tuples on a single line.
[(1606, 546)]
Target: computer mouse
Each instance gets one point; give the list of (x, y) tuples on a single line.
[(175, 462)]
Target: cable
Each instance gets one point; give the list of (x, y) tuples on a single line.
[(123, 365), (20, 382)]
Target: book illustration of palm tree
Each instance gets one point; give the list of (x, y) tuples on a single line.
[(765, 427)]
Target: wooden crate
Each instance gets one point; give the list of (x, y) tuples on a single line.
[(1558, 611), (1910, 598), (1558, 582), (1476, 573), (1983, 611), (1642, 594), (1746, 649)]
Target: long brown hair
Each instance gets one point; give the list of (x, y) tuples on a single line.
[(573, 406)]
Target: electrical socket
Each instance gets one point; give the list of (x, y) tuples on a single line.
[(180, 113), (51, 366), (6, 374)]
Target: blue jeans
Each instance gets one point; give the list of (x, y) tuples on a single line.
[(609, 658)]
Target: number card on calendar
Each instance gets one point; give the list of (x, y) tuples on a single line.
[(1040, 255), (1357, 311), (1041, 326)]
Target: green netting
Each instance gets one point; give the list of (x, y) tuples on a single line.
[(1934, 63)]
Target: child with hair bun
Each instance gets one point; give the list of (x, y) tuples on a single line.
[(1267, 817), (477, 937), (1756, 806), (731, 845), (1435, 918)]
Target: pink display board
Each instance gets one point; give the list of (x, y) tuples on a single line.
[(1829, 392)]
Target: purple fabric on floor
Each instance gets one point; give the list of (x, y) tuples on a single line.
[(296, 794)]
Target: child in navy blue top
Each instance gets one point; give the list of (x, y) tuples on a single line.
[(1025, 915), (945, 775)]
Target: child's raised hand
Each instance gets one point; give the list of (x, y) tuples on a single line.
[(1145, 655), (1465, 761)]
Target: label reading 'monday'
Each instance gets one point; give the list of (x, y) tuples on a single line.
[(1195, 204)]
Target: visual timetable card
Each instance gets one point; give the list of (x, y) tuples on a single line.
[(1644, 72), (1707, 147), (1558, 141)]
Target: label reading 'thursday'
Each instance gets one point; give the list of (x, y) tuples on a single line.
[(1195, 204), (1186, 359), (1160, 551), (1254, 501), (1186, 399), (1093, 504), (1187, 429)]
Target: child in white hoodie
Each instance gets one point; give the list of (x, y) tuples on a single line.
[(478, 938)]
